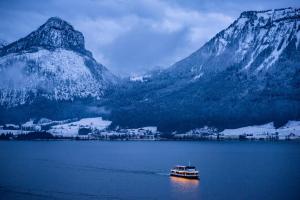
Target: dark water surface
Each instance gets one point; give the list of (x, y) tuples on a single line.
[(139, 170)]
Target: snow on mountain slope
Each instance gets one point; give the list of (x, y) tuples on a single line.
[(255, 41), (59, 74), (50, 63)]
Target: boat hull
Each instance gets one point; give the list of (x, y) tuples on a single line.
[(184, 176)]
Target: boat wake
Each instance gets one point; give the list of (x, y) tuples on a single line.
[(127, 171), (106, 169)]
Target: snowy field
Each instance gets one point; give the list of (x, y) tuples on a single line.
[(98, 126), (71, 129), (291, 130)]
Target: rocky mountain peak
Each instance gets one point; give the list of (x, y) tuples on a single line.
[(55, 33), (271, 15), (58, 33), (57, 23)]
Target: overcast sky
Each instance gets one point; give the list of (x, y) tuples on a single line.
[(133, 36)]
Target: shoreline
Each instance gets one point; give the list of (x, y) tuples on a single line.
[(156, 140)]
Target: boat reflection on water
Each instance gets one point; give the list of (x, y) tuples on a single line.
[(182, 188), (183, 182)]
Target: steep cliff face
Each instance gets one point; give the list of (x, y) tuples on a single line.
[(247, 74)]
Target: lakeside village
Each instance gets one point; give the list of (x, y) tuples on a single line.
[(98, 129)]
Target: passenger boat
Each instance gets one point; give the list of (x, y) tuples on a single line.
[(185, 172)]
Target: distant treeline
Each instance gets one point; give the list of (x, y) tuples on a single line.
[(28, 136)]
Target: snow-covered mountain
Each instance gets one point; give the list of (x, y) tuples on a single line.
[(254, 42), (50, 63), (49, 73), (247, 74)]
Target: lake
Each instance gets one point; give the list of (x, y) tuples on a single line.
[(139, 170)]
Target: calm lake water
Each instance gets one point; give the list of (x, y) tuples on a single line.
[(139, 170)]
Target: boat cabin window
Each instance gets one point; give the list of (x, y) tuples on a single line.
[(185, 167)]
